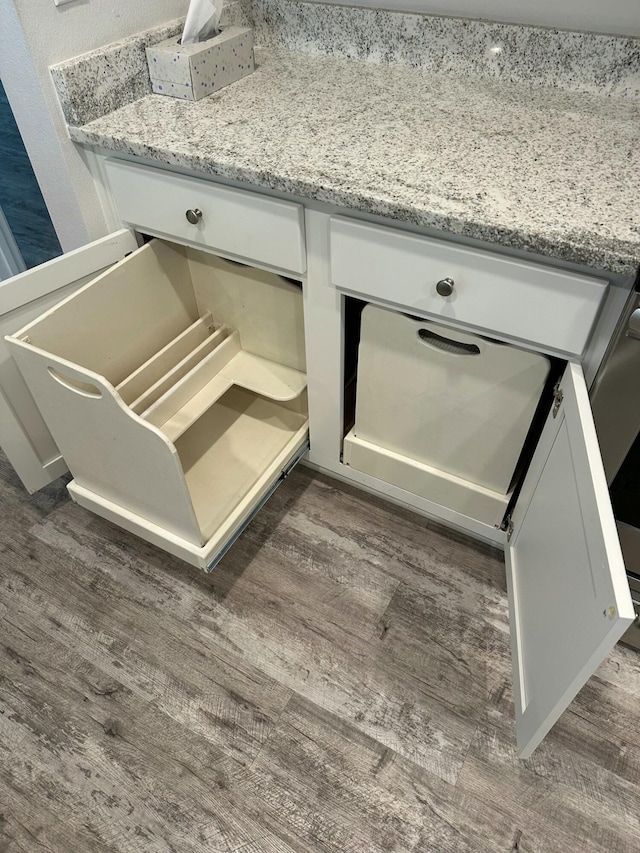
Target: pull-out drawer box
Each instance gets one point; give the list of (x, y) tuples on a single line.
[(174, 386)]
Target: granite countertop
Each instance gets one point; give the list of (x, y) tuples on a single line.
[(520, 164)]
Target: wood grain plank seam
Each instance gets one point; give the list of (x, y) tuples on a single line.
[(375, 630), (272, 729), (466, 752)]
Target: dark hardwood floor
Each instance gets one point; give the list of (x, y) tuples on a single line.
[(340, 684)]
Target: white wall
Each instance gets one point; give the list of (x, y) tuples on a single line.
[(604, 16), (35, 34)]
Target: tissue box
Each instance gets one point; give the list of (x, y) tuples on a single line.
[(192, 71)]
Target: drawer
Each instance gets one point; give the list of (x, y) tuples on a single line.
[(174, 385), (534, 304), (243, 224)]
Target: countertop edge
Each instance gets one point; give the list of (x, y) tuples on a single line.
[(588, 251)]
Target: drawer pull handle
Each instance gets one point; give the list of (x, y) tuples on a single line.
[(445, 286), (194, 215)]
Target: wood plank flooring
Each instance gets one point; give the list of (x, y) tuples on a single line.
[(340, 684)]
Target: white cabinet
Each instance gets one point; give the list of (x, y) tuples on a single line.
[(172, 382), (569, 597)]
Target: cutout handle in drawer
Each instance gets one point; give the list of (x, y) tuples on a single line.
[(431, 339), (86, 389)]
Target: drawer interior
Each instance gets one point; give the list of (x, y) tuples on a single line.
[(226, 450), (195, 361)]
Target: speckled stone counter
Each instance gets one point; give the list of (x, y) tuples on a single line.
[(520, 164)]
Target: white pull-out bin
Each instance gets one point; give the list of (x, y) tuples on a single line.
[(441, 412), (174, 385)]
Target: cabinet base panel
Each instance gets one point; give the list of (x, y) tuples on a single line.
[(426, 482), (401, 498)]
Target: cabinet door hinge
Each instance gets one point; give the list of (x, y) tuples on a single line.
[(558, 397), (509, 528)]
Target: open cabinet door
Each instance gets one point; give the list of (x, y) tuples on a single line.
[(24, 436), (569, 599)]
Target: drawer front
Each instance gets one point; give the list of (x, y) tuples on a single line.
[(230, 221), (545, 307)]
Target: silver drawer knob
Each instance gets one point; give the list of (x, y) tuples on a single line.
[(634, 324), (445, 286), (194, 216)]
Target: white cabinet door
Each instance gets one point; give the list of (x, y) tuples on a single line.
[(24, 436), (569, 598)]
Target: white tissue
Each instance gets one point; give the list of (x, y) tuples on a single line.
[(202, 21)]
